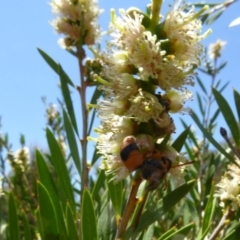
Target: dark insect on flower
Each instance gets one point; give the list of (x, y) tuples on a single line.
[(154, 166), (130, 154), (163, 101), (155, 169)]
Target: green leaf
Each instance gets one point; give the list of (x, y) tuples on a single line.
[(67, 98), (27, 231), (223, 87), (47, 181), (61, 169), (222, 65), (47, 213), (54, 65), (115, 191), (96, 95), (95, 157), (39, 223), (164, 205), (208, 214), (234, 234), (91, 122), (175, 196), (167, 233), (13, 227), (184, 230), (204, 234), (180, 140), (237, 102), (211, 139), (104, 223), (215, 16), (88, 223), (201, 85), (71, 224), (200, 104), (98, 184), (149, 233), (72, 142), (164, 141), (191, 135), (228, 115), (209, 210), (214, 117)]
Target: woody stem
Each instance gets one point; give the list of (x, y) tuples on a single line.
[(131, 204)]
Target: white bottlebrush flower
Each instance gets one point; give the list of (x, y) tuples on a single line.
[(109, 107), (176, 100), (139, 61), (122, 86), (76, 19), (144, 106), (126, 30), (229, 187), (215, 49), (52, 114), (173, 75), (21, 159), (183, 30)]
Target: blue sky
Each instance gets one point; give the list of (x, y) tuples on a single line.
[(25, 77)]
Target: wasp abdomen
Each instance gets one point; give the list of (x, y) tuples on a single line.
[(130, 154)]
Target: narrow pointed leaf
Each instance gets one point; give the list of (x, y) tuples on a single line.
[(200, 104), (67, 98), (47, 181), (53, 65), (93, 116), (149, 233), (201, 85), (48, 214), (179, 142), (27, 231), (96, 95), (223, 87), (215, 16), (13, 227), (214, 117), (39, 223), (168, 233), (71, 224), (115, 191), (222, 65), (209, 210), (211, 139), (237, 102), (61, 168), (234, 234), (208, 215), (88, 223), (164, 141), (98, 184), (184, 230), (95, 157), (72, 142), (228, 115), (191, 135), (204, 234), (104, 223)]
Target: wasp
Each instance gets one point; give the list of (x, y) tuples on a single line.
[(154, 166)]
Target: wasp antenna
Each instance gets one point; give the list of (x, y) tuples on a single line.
[(183, 164)]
